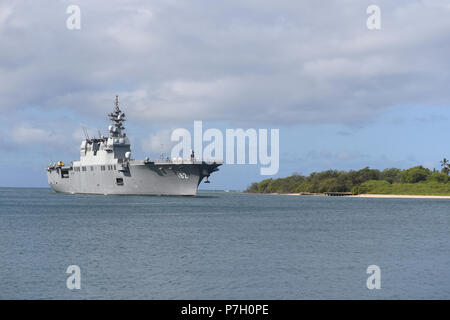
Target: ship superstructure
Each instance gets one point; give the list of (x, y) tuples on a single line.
[(106, 167)]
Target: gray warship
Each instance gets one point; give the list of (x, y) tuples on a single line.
[(106, 167)]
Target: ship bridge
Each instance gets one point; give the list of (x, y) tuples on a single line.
[(114, 148)]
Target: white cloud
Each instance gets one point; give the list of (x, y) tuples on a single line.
[(5, 13), (25, 134), (248, 61), (157, 143)]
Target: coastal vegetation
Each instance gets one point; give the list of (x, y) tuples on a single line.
[(413, 181)]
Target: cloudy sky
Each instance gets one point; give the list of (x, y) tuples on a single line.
[(343, 96)]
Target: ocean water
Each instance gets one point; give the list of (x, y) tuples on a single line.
[(221, 245)]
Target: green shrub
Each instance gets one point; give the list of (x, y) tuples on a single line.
[(414, 175), (438, 177)]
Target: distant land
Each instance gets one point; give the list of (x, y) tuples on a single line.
[(413, 181)]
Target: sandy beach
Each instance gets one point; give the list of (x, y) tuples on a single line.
[(399, 196)]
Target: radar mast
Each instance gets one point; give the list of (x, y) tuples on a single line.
[(117, 118)]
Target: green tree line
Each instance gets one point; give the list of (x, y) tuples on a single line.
[(416, 180)]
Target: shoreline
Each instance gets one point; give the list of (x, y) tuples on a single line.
[(398, 196), (366, 195)]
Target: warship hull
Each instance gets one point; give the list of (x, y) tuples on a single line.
[(134, 179)]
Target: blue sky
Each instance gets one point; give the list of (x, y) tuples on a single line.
[(343, 97)]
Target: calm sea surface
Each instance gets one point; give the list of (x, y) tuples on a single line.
[(221, 245)]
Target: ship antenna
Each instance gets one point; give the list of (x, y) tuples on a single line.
[(85, 132), (117, 103)]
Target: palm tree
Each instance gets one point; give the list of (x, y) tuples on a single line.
[(445, 165)]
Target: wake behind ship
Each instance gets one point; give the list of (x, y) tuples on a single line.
[(106, 167)]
